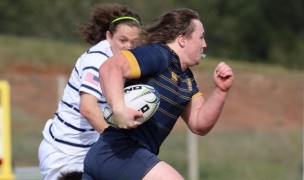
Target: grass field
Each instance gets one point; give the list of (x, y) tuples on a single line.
[(251, 152), (239, 155)]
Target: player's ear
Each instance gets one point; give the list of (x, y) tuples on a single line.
[(181, 41), (108, 35)]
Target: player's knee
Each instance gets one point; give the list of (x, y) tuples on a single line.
[(162, 170)]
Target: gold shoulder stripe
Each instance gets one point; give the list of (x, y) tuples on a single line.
[(196, 95), (134, 67)]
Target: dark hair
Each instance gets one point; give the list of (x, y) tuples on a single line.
[(101, 21), (70, 175), (169, 26)]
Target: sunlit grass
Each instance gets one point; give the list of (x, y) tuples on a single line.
[(238, 155), (39, 51), (26, 137)]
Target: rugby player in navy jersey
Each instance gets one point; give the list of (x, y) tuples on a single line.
[(169, 47)]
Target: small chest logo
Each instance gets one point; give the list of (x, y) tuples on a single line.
[(189, 84), (174, 76)]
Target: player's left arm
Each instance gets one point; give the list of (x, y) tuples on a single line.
[(201, 115)]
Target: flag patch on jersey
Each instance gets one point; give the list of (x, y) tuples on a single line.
[(91, 78)]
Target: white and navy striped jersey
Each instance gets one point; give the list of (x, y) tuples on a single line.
[(69, 131)]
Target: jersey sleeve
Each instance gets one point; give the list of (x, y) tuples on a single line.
[(193, 85), (89, 73), (147, 60)]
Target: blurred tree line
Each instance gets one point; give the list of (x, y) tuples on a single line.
[(269, 31)]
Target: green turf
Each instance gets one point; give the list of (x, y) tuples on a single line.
[(239, 155)]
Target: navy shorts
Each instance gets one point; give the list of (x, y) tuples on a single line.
[(117, 155)]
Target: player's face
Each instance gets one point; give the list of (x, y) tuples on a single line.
[(123, 37), (195, 45)]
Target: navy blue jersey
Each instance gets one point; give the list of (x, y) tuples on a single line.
[(158, 66)]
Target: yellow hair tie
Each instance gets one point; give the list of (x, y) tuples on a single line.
[(125, 17)]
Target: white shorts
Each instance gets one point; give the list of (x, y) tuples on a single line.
[(53, 161)]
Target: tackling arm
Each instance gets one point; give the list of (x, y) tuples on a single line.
[(91, 111)]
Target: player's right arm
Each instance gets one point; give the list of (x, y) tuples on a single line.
[(91, 99), (112, 74)]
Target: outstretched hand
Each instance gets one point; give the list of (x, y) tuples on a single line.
[(223, 76)]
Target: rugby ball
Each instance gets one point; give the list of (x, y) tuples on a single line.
[(141, 97)]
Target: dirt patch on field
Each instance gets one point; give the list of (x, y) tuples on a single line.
[(256, 101)]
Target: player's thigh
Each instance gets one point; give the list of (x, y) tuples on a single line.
[(162, 170)]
